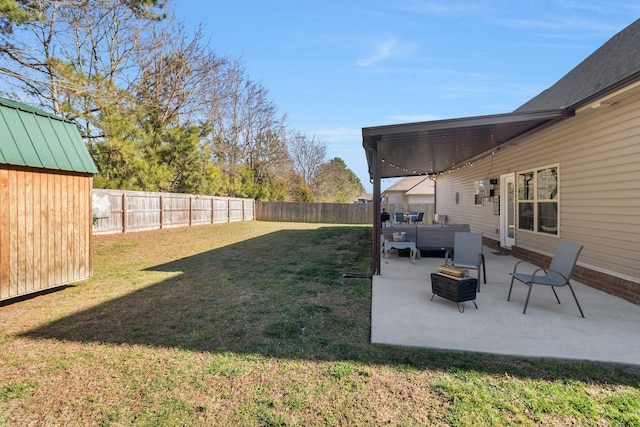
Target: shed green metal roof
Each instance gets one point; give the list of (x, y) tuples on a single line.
[(35, 138)]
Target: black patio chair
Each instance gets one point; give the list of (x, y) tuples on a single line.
[(558, 274)]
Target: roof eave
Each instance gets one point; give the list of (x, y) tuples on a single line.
[(371, 136), (462, 122)]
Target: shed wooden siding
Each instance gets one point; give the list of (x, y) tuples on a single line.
[(45, 238), (598, 153)]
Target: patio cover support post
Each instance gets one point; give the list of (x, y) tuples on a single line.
[(377, 244)]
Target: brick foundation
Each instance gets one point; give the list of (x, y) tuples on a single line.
[(494, 244)]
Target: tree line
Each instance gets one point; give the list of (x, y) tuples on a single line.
[(158, 108)]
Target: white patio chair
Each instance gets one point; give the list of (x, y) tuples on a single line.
[(558, 274), (467, 253)]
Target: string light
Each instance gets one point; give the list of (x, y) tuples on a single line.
[(420, 173), (466, 164)]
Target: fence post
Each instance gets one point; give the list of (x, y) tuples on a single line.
[(161, 213), (190, 211), (124, 213)]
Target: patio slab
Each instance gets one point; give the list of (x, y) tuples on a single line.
[(403, 314)]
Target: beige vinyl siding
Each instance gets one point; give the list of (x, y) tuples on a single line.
[(598, 155), (424, 199), (479, 217)]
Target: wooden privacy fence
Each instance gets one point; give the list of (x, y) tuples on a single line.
[(118, 211), (330, 213)]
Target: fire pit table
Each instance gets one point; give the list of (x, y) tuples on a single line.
[(454, 288)]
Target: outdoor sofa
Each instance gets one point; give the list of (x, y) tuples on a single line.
[(428, 238)]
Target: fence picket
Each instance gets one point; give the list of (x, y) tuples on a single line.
[(130, 211), (327, 213)]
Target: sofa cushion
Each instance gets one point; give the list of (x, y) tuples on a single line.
[(432, 237)]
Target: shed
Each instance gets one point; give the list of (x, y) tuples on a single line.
[(46, 178)]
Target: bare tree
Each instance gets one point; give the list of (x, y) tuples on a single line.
[(246, 126), (33, 68), (175, 68), (76, 54), (307, 155), (264, 141), (223, 101)]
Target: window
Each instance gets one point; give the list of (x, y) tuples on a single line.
[(538, 200)]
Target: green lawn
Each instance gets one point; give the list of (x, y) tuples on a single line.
[(252, 324)]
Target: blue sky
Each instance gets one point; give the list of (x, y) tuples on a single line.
[(335, 67)]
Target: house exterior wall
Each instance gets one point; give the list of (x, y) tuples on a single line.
[(598, 155), (401, 202), (395, 202), (45, 229), (395, 199), (420, 199)]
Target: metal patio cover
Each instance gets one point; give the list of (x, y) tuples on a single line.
[(437, 146)]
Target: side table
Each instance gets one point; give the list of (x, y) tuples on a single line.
[(392, 244)]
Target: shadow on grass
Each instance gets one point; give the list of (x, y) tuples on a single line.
[(33, 295), (281, 295)]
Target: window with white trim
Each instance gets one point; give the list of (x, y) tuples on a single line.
[(538, 200)]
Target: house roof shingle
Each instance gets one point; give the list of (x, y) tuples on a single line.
[(413, 185), (614, 64)]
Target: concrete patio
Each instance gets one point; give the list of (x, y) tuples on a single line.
[(402, 314)]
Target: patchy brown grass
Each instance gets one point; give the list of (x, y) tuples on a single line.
[(252, 324)]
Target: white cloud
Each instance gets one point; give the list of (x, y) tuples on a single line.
[(383, 50), (390, 47), (434, 8), (340, 134), (564, 24)]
